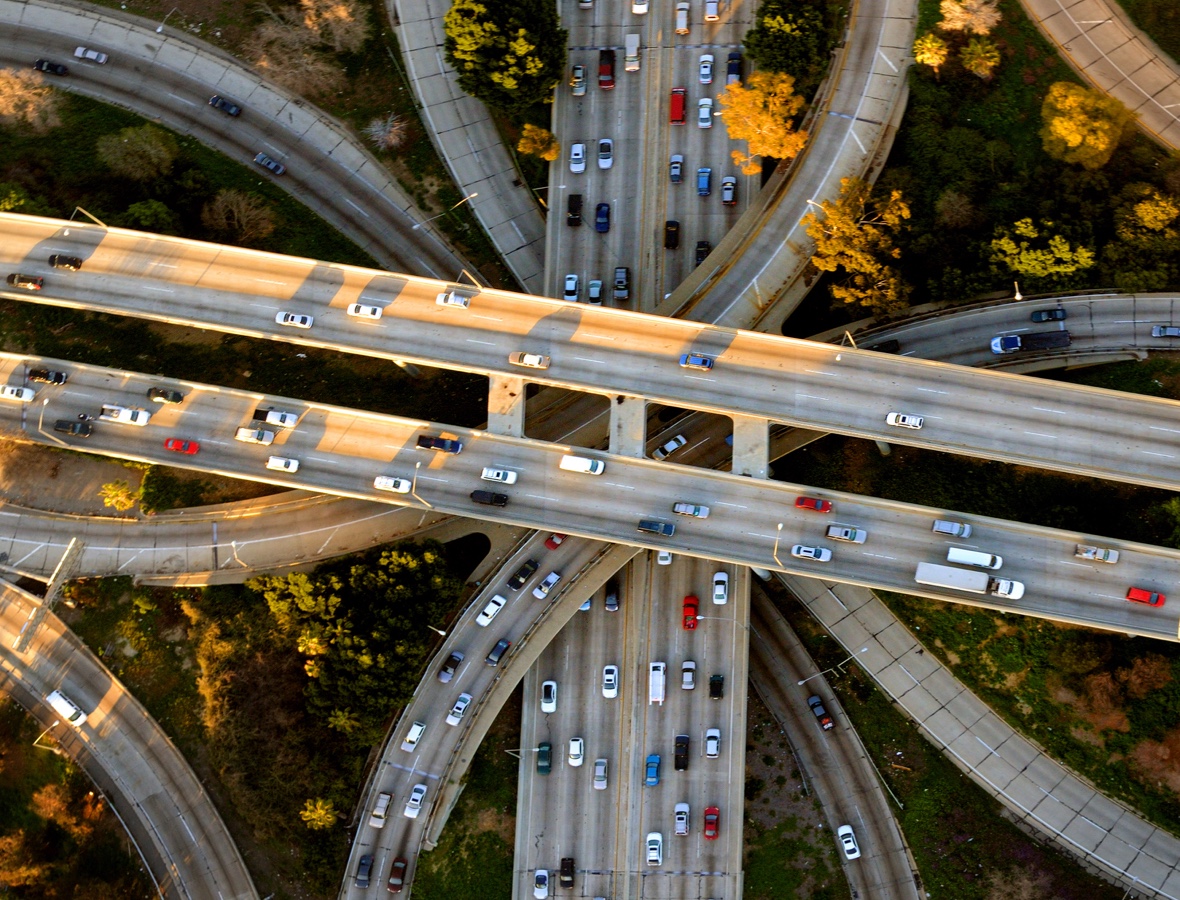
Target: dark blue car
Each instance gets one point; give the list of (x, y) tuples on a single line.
[(602, 218)]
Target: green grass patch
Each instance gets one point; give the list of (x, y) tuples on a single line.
[(779, 861), (1159, 19)]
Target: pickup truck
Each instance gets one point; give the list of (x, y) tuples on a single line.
[(1096, 554), (442, 445), (254, 436), (847, 533), (271, 416), (126, 414)]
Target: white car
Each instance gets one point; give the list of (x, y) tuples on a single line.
[(681, 812), (662, 453), (848, 841), (503, 476), (414, 804), (455, 716), (293, 320), (663, 558), (577, 754), (688, 675), (577, 158), (549, 697), (705, 112), (606, 153), (655, 848), (541, 884), (496, 604), (713, 743), (639, 7), (706, 69), (283, 464), (541, 591), (530, 360), (89, 55), (600, 767), (361, 311), (819, 554), (245, 435), (902, 420), (453, 298), (391, 484), (20, 394), (570, 289), (381, 810), (610, 682), (413, 736), (720, 588)]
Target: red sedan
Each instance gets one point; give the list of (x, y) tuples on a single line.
[(691, 605), (712, 823), (1151, 598), (813, 503), (397, 875), (179, 445), (555, 540)]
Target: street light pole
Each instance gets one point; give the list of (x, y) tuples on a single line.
[(56, 722), (1019, 296), (835, 667), (160, 27), (414, 486), (778, 535), (437, 631), (470, 196)]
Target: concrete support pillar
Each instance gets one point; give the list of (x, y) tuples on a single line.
[(751, 446), (628, 426), (506, 405)]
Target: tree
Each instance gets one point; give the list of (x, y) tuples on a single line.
[(118, 494), (541, 142), (140, 154), (931, 50), (341, 24), (759, 112), (318, 814), (980, 57), (237, 216), (1034, 252), (509, 55), (26, 99), (150, 215), (856, 234), (284, 49), (969, 16), (389, 132), (790, 38), (1082, 126)]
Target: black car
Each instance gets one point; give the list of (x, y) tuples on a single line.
[(73, 427), (680, 753), (60, 261), (272, 164), (44, 65), (704, 248), (817, 707), (28, 282), (48, 376), (716, 687), (488, 498), (1049, 315), (450, 667), (573, 215), (612, 595), (733, 68), (164, 395), (523, 574), (566, 878), (226, 106), (671, 234), (363, 870)]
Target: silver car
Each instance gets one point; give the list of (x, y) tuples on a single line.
[(577, 158), (600, 766)]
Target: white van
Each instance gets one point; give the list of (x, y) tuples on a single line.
[(657, 682), (66, 708), (954, 529), (682, 17), (631, 54), (582, 464), (973, 558)]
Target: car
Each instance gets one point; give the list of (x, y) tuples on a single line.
[(705, 112), (904, 420), (1156, 330), (704, 185), (255, 436), (273, 165), (606, 153), (612, 596), (594, 292), (578, 81), (489, 612), (497, 653), (848, 842), (676, 168), (817, 708), (716, 687), (703, 249), (414, 804), (489, 498), (712, 822), (705, 70), (60, 261), (225, 105), (1049, 315), (452, 298), (450, 667), (293, 320), (733, 68), (680, 814), (688, 675), (577, 752), (17, 393), (1096, 554), (544, 758), (393, 485), (639, 7), (652, 770), (380, 812), (720, 588), (663, 558), (364, 869), (655, 848), (813, 503), (819, 554), (692, 510), (180, 445), (283, 464), (712, 13), (502, 476), (26, 282), (523, 574), (565, 876), (602, 218), (455, 716), (600, 773), (610, 682), (655, 526), (847, 533), (528, 360), (397, 875), (413, 736), (363, 311), (570, 290), (541, 884), (554, 540), (671, 234), (606, 70), (712, 743), (549, 697), (164, 395), (577, 158), (680, 753), (691, 604), (541, 591), (73, 428), (48, 376), (1151, 598), (696, 361), (729, 191), (50, 68), (665, 450), (94, 56)]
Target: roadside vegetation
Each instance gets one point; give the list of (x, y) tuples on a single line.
[(1159, 19)]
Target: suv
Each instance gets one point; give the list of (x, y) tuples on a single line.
[(50, 68), (704, 248), (48, 376), (716, 687), (58, 261), (733, 68), (28, 282), (680, 755), (606, 70), (488, 498), (573, 210), (523, 574), (622, 283), (817, 707), (450, 667), (441, 445), (566, 878), (671, 234), (676, 168), (593, 293), (729, 190), (704, 181), (74, 428)]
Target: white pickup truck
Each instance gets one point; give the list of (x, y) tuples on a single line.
[(1096, 554), (128, 415)]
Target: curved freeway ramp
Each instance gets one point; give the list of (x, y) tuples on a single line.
[(176, 828)]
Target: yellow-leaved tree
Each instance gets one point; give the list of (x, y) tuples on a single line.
[(1082, 126), (760, 112)]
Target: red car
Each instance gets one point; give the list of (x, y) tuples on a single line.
[(813, 503), (712, 823), (691, 605), (555, 540), (179, 445), (397, 875), (1151, 598)]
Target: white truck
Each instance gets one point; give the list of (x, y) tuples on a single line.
[(1096, 554), (128, 415), (847, 533), (631, 53), (254, 436), (657, 682), (268, 415), (968, 580)]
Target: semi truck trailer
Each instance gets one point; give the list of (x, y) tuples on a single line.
[(968, 580), (1041, 340)]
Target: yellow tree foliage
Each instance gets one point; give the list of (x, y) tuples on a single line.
[(760, 113), (1082, 126), (969, 16), (980, 57), (931, 50), (318, 814), (118, 494), (1157, 211), (1036, 252), (537, 141)]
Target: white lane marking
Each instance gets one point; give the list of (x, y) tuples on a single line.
[(625, 487), (184, 100), (159, 290), (485, 343), (882, 556), (269, 281), (325, 459), (932, 391), (1056, 412), (1164, 455), (1161, 428), (164, 265), (759, 534), (431, 478), (812, 397), (734, 505), (601, 362), (488, 318), (602, 337), (699, 378), (818, 372), (1039, 434), (542, 497), (357, 208)]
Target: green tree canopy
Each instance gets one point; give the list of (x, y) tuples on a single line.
[(509, 55), (140, 154), (1082, 126), (789, 37)]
